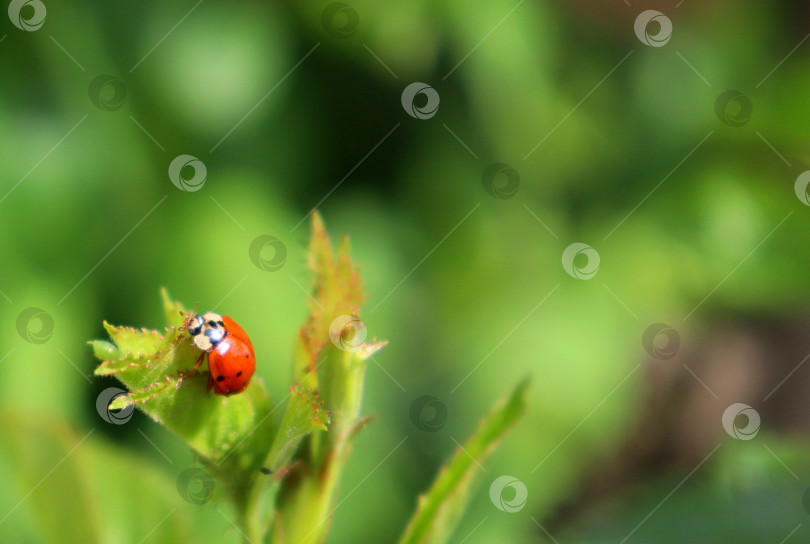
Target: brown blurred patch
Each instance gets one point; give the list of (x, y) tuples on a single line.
[(762, 363)]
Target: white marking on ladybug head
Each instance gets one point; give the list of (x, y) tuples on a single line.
[(207, 330)]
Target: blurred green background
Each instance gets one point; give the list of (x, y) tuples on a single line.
[(687, 197)]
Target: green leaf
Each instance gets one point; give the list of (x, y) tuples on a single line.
[(304, 415), (332, 359), (104, 351), (337, 291), (334, 352), (307, 499), (440, 509)]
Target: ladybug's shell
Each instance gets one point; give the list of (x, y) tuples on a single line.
[(232, 328), (232, 362)]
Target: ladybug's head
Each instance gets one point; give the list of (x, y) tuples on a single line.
[(206, 330)]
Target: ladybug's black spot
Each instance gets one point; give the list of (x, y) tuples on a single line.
[(212, 323), (238, 373), (220, 378)]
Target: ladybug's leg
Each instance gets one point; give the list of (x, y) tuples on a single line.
[(184, 375), (198, 363), (210, 384)]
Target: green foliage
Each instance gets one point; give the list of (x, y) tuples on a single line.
[(59, 472), (442, 506), (307, 445), (72, 199), (150, 365)]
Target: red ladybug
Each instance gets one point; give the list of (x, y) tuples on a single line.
[(231, 359)]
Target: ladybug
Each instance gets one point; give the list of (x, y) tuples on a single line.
[(231, 359)]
